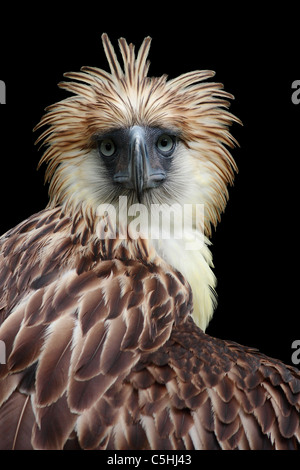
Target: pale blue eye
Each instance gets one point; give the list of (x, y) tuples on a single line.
[(107, 147), (165, 143)]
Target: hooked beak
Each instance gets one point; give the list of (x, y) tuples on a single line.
[(140, 175), (138, 162)]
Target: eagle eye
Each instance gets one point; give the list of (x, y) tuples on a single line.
[(166, 144), (107, 147)]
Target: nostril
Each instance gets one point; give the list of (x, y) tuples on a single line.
[(158, 176), (155, 179), (124, 179)]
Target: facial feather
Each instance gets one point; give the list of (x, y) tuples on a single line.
[(103, 101), (201, 169)]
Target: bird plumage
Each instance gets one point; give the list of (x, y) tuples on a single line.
[(103, 101), (102, 348)]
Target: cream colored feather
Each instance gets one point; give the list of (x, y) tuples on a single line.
[(202, 166)]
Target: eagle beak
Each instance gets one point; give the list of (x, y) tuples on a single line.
[(138, 161), (140, 168), (142, 174)]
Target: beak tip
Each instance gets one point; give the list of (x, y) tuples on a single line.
[(139, 174)]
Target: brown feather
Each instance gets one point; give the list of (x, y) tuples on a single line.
[(54, 362), (102, 349), (54, 425), (17, 420), (27, 347)]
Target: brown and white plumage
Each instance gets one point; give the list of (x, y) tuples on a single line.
[(102, 348)]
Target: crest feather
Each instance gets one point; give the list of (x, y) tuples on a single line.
[(127, 96), (112, 57)]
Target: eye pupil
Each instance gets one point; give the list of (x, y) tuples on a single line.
[(166, 144), (107, 147)]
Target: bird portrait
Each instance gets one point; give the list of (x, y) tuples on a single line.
[(103, 317)]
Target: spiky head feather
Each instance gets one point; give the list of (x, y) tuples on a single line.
[(200, 171), (104, 101)]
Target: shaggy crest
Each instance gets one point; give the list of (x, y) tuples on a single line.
[(126, 97)]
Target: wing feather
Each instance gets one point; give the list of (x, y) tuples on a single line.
[(54, 362), (17, 420), (244, 409), (53, 426), (108, 357)]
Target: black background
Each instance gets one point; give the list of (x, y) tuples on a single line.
[(255, 247)]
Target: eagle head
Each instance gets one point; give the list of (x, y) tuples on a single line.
[(152, 140)]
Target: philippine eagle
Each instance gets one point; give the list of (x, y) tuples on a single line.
[(104, 335)]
